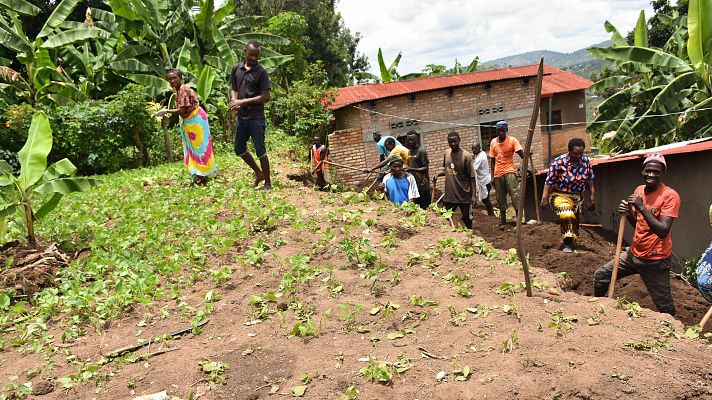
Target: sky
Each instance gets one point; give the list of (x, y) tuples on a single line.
[(440, 31)]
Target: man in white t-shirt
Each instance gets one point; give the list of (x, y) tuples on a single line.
[(483, 178)]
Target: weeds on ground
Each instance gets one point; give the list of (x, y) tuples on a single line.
[(562, 323), (511, 343), (215, 370), (633, 309)]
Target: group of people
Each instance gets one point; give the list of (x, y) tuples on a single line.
[(250, 90), (405, 172), (651, 209)]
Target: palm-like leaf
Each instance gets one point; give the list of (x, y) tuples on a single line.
[(33, 155), (60, 13)]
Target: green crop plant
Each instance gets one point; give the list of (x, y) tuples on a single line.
[(57, 180), (420, 301), (486, 249), (633, 309), (457, 318), (562, 323), (390, 241), (348, 315), (304, 329), (511, 343), (510, 289), (215, 370)]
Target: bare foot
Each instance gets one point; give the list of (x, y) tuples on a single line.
[(267, 186)]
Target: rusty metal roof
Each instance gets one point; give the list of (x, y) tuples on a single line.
[(555, 81)]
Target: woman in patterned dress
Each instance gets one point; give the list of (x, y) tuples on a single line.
[(704, 270), (198, 154), (569, 176)]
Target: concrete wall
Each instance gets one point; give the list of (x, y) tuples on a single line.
[(512, 100), (687, 174)]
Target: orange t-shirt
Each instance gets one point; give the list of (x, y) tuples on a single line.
[(503, 154), (646, 244)]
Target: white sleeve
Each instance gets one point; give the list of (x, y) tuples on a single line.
[(385, 179), (412, 188)]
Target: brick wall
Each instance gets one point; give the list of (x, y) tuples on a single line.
[(573, 109), (458, 105)]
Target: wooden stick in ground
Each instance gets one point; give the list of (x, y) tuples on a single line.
[(706, 318), (617, 257), (523, 185), (536, 190), (440, 198), (432, 190)]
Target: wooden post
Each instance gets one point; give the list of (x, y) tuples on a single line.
[(617, 257), (536, 190), (706, 318), (523, 185)]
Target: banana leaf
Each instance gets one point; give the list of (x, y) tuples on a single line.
[(132, 51), (609, 82), (699, 28), (133, 66), (63, 167), (225, 51), (641, 55), (33, 155), (640, 34), (48, 206), (271, 63), (264, 38), (385, 72), (205, 83), (67, 185), (616, 37), (60, 13), (20, 6), (74, 35), (669, 97)]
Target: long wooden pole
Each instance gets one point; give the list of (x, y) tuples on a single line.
[(346, 166), (536, 190), (523, 185), (617, 257)]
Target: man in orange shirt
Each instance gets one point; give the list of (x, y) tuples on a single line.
[(651, 209), (502, 149)]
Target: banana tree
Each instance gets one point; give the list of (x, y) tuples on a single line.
[(663, 92), (36, 178), (472, 67), (43, 80)]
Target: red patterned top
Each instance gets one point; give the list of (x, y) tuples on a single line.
[(567, 177), (186, 100)]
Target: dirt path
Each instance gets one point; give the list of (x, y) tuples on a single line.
[(555, 345)]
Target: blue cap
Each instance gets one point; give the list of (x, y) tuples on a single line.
[(501, 125)]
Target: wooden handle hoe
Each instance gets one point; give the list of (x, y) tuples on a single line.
[(706, 318), (432, 190), (617, 258)]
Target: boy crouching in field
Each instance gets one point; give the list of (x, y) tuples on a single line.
[(400, 186)]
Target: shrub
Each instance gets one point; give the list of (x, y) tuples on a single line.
[(100, 136), (303, 111)]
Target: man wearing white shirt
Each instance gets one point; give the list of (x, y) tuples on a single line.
[(483, 178)]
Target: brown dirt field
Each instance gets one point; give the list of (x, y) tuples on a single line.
[(586, 361), (596, 247)]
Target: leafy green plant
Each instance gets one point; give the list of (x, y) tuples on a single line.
[(510, 289), (305, 329), (36, 178), (351, 393), (648, 345), (511, 343), (562, 323), (348, 315), (633, 309), (215, 370), (421, 301)]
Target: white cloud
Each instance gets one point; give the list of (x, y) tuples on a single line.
[(438, 31)]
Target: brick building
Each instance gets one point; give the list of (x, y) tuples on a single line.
[(434, 106)]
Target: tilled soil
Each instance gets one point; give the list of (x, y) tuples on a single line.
[(596, 247), (539, 347)]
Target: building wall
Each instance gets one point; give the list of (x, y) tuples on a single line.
[(573, 109), (510, 100), (691, 231), (347, 118)]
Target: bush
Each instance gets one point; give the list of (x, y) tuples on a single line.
[(303, 111), (99, 136)]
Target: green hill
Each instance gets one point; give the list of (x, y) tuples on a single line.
[(580, 62)]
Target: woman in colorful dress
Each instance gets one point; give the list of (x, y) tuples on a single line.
[(569, 176), (198, 154)]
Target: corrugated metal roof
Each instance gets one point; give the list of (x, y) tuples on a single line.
[(690, 146), (555, 81)]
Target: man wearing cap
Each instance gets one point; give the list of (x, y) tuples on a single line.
[(502, 149), (651, 209)]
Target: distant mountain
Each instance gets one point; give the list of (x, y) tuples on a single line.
[(580, 62)]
